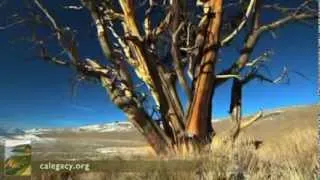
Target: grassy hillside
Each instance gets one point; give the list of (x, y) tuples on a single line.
[(288, 151), (283, 122)]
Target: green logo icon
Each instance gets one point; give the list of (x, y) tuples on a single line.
[(17, 160)]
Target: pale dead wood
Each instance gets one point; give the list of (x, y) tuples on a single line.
[(7, 26), (120, 94), (70, 48), (177, 59), (249, 122), (231, 36), (257, 31)]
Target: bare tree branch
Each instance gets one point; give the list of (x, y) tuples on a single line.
[(251, 121), (255, 34), (163, 25), (70, 47), (231, 36), (117, 88), (97, 14), (176, 55), (73, 7), (286, 20), (12, 24), (255, 75), (152, 73)]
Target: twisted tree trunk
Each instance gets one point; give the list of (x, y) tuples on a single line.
[(199, 118)]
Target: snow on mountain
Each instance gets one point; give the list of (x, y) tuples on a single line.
[(37, 131), (108, 127), (29, 137), (33, 134), (13, 134)]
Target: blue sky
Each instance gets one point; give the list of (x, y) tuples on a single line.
[(34, 93)]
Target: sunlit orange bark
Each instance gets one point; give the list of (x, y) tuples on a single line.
[(199, 118), (151, 74)]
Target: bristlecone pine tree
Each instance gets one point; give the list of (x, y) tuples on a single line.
[(164, 45)]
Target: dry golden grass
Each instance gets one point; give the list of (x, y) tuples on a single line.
[(292, 157), (289, 152)]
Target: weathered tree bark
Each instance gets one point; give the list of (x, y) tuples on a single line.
[(235, 109), (199, 118), (121, 94), (125, 99), (105, 43), (176, 27), (148, 71), (256, 31), (175, 110), (251, 39)]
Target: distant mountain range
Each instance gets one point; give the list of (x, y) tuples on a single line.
[(34, 134), (117, 126), (108, 127)]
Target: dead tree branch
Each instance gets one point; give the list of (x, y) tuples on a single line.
[(176, 55), (116, 87), (256, 31), (242, 24)]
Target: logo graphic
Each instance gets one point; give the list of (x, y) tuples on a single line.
[(17, 160)]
